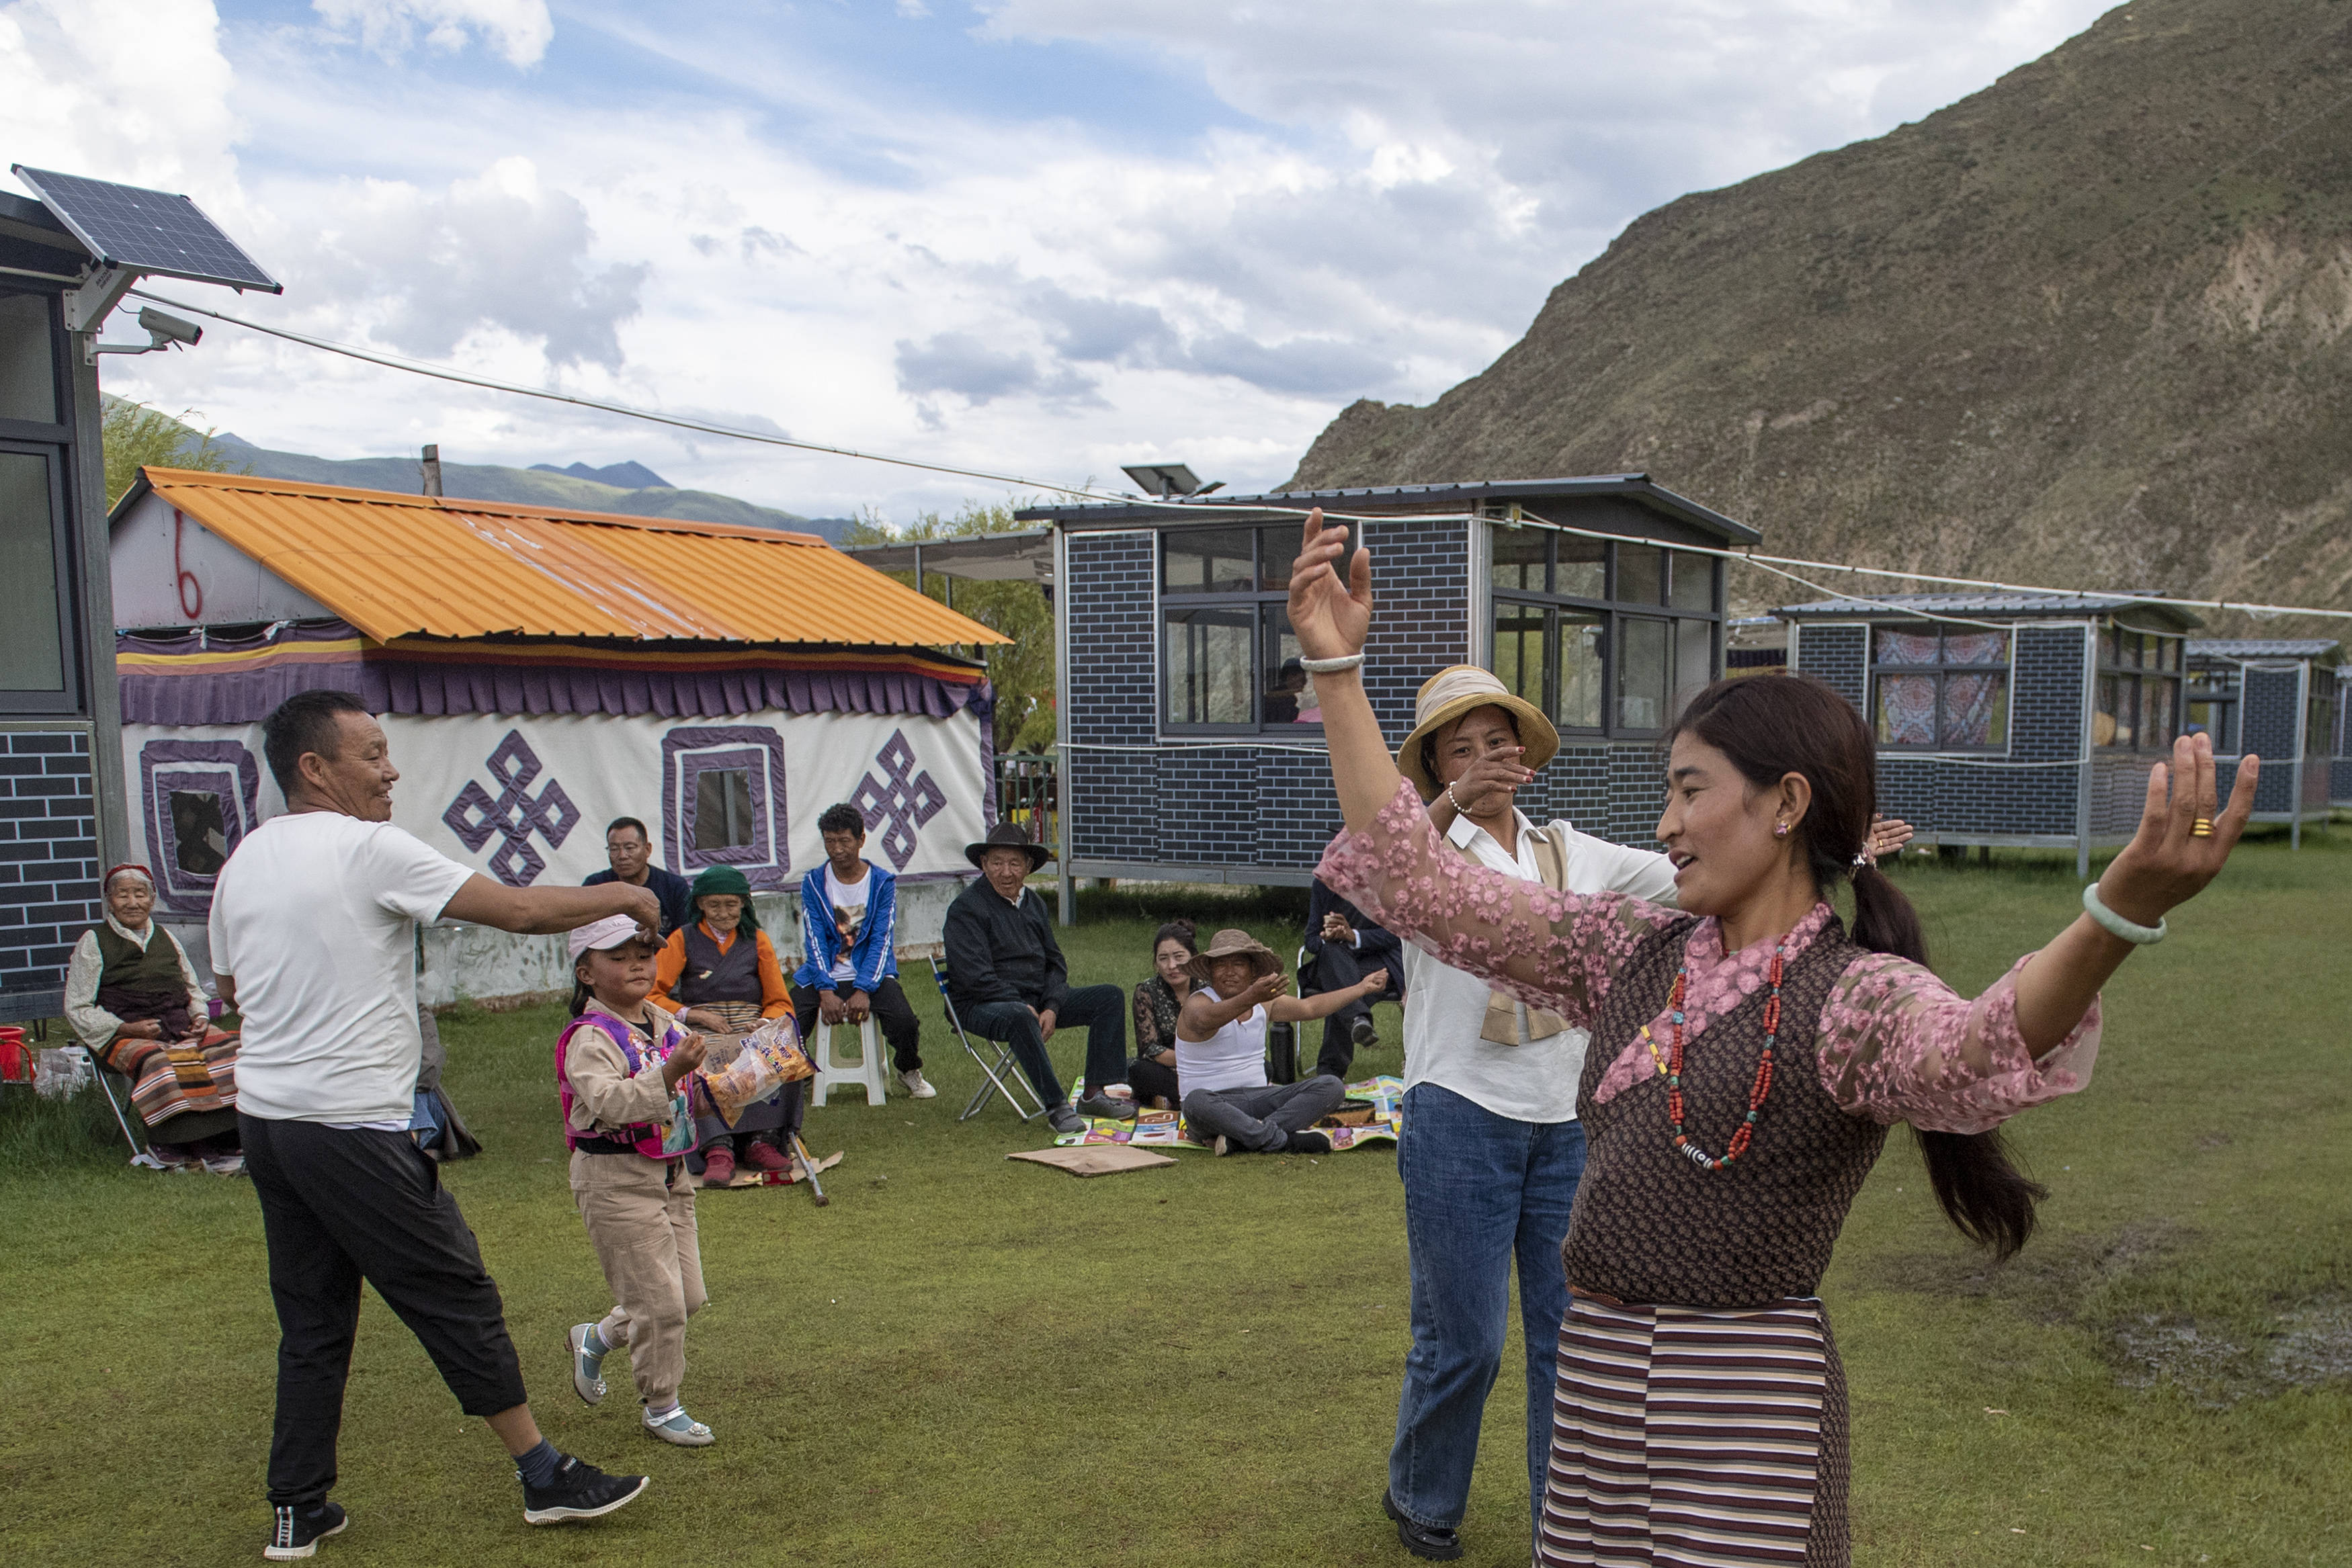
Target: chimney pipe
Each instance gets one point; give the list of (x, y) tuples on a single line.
[(431, 469)]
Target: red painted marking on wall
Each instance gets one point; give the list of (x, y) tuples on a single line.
[(184, 578)]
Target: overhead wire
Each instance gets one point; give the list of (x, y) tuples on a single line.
[(1193, 506)]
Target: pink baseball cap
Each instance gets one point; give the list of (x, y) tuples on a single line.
[(609, 931)]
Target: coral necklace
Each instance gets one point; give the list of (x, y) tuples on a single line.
[(1756, 1091)]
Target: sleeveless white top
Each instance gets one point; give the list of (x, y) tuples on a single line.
[(1233, 1057)]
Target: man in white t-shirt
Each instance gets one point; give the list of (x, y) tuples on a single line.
[(314, 941)]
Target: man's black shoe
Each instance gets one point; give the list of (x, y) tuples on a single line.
[(1363, 1034), (1422, 1539), (580, 1491), (1309, 1141), (296, 1532)]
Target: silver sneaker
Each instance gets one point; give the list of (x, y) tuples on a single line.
[(681, 1428), (587, 1370), (912, 1081)]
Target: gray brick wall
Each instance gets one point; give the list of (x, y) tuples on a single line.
[(49, 854), (2269, 717)]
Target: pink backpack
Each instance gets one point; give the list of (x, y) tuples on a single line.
[(646, 1137)]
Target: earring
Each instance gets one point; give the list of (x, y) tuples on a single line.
[(1779, 830)]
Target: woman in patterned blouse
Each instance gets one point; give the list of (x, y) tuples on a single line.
[(1702, 1412), (1158, 1000)]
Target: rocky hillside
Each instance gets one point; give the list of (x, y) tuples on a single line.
[(2091, 326)]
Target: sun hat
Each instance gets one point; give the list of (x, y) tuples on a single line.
[(1008, 836), (602, 935), (1456, 690), (1234, 944)]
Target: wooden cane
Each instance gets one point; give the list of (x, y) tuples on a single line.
[(816, 1189)]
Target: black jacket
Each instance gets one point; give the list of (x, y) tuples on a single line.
[(1377, 947), (1001, 952), (677, 895)]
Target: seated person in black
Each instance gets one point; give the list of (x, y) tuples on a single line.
[(1342, 947), (1158, 1003), (629, 857), (1009, 981)]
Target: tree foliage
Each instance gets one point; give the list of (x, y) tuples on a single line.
[(1022, 672), (137, 436)]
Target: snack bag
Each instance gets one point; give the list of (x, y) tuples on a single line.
[(767, 1059)]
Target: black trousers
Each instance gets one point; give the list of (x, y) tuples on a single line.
[(899, 1025), (1100, 1010), (1152, 1081), (339, 1207), (1339, 968)]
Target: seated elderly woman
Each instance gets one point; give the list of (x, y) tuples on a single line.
[(720, 975), (133, 1001)]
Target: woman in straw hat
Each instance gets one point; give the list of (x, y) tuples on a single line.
[(1747, 1056), (1237, 990)]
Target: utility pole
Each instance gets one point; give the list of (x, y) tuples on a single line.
[(431, 470)]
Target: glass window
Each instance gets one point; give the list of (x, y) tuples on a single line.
[(1519, 559), (1582, 685), (1519, 649), (1942, 687), (1206, 665), (1694, 657), (1582, 568), (1209, 560), (32, 641), (1642, 674), (28, 388), (199, 834), (2141, 712), (1286, 695), (722, 808), (1641, 574), (1693, 584)]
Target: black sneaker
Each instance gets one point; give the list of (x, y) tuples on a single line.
[(580, 1491), (1110, 1107), (297, 1533), (1364, 1034), (1310, 1142), (1061, 1119), (1422, 1539)]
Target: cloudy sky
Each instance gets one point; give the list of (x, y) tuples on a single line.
[(1041, 236)]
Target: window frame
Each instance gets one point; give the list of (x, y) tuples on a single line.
[(1612, 613), (67, 697), (1253, 602), (2106, 664), (1941, 671)]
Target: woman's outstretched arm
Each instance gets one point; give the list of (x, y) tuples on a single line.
[(1547, 947)]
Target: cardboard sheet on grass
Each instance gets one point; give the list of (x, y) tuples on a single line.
[(1373, 1113)]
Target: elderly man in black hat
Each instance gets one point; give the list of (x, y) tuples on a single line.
[(1010, 981)]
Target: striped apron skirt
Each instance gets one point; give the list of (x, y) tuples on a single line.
[(1696, 1437)]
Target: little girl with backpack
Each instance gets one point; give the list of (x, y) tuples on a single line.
[(621, 1068)]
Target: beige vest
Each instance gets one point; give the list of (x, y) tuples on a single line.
[(1510, 1021)]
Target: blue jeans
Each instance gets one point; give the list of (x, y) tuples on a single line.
[(1479, 1189)]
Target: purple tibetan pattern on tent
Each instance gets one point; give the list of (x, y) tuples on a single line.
[(195, 678)]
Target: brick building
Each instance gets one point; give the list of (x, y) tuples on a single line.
[(1191, 749), (2276, 697), (2012, 719)]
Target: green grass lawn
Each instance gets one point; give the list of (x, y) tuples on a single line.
[(968, 1361)]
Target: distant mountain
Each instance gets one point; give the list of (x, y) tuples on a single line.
[(620, 475), (540, 486), (2087, 327)]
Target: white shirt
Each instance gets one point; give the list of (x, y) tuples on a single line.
[(1445, 1009), (848, 899), (315, 918), (1233, 1057)]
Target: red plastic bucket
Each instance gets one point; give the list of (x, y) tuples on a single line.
[(16, 1062)]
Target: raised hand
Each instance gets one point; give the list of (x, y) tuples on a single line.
[(684, 1058), (2169, 861), (1887, 834), (1502, 770), (1329, 617), (1265, 988)]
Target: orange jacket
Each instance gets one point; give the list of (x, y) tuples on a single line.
[(669, 964)]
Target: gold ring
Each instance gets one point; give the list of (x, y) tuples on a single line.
[(2202, 828)]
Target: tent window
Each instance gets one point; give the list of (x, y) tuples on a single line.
[(722, 808)]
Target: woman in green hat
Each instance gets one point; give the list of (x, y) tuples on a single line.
[(720, 974)]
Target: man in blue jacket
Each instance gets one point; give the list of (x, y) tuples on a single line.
[(849, 921)]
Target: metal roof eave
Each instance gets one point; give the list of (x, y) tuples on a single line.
[(2001, 607), (1455, 495), (1020, 555)]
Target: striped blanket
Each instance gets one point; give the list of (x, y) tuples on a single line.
[(1692, 1438), (170, 1079)]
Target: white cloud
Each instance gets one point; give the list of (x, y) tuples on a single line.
[(74, 98), (519, 30), (874, 257)]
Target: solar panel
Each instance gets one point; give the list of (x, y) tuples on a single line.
[(146, 231)]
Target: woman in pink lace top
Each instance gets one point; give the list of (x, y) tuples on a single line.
[(1747, 1054)]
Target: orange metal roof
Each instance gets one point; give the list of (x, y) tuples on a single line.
[(395, 565)]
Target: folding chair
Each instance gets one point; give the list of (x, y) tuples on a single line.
[(992, 1078)]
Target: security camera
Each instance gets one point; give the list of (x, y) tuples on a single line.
[(162, 327)]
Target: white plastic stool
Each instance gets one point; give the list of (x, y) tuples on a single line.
[(831, 1071)]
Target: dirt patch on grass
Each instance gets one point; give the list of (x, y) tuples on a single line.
[(2304, 1344)]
